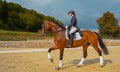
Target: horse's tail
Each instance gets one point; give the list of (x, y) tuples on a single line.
[(102, 45)]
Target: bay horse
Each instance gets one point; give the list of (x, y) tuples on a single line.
[(60, 42)]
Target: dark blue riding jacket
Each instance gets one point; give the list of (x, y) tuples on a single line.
[(73, 21)]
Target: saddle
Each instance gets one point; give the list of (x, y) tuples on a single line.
[(76, 35)]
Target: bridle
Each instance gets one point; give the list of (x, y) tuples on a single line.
[(44, 32)]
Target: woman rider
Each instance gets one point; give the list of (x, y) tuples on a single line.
[(72, 27)]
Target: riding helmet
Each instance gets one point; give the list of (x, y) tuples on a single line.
[(71, 11)]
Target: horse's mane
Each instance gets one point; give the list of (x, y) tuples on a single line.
[(61, 26), (57, 24)]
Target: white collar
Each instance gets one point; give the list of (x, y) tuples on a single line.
[(72, 16)]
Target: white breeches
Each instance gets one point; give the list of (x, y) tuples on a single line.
[(72, 29)]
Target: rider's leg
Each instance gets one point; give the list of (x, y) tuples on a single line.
[(67, 32), (79, 31), (70, 40), (72, 31)]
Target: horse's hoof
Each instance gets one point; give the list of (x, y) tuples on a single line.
[(80, 65), (51, 59), (57, 68), (101, 65)]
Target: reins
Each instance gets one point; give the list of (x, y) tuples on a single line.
[(59, 30)]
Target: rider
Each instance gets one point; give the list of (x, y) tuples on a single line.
[(72, 27)]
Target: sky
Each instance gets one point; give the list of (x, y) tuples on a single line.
[(87, 11)]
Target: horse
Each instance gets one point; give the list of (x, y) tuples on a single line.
[(60, 42)]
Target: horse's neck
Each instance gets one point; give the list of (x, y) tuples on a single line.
[(55, 28)]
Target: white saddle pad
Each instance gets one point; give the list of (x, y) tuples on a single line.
[(76, 36)]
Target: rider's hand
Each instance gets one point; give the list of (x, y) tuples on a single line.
[(69, 26)]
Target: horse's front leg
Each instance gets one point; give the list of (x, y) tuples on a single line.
[(84, 55), (61, 58), (49, 54)]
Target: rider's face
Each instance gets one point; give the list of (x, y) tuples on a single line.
[(70, 14)]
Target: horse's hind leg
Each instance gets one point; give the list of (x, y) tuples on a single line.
[(84, 54), (100, 54), (49, 55)]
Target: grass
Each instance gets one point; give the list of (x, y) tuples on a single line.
[(17, 35)]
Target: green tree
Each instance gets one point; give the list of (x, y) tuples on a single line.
[(14, 17), (108, 25), (3, 14), (1, 9), (31, 21), (13, 21), (5, 10)]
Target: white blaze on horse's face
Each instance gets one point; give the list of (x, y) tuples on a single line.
[(43, 30)]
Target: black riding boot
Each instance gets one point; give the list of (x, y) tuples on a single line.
[(79, 31), (70, 40)]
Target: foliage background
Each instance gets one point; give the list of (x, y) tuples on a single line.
[(16, 18), (108, 25)]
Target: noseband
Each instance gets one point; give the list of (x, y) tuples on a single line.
[(43, 25)]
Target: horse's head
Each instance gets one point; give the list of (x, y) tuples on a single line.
[(46, 27), (50, 26)]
